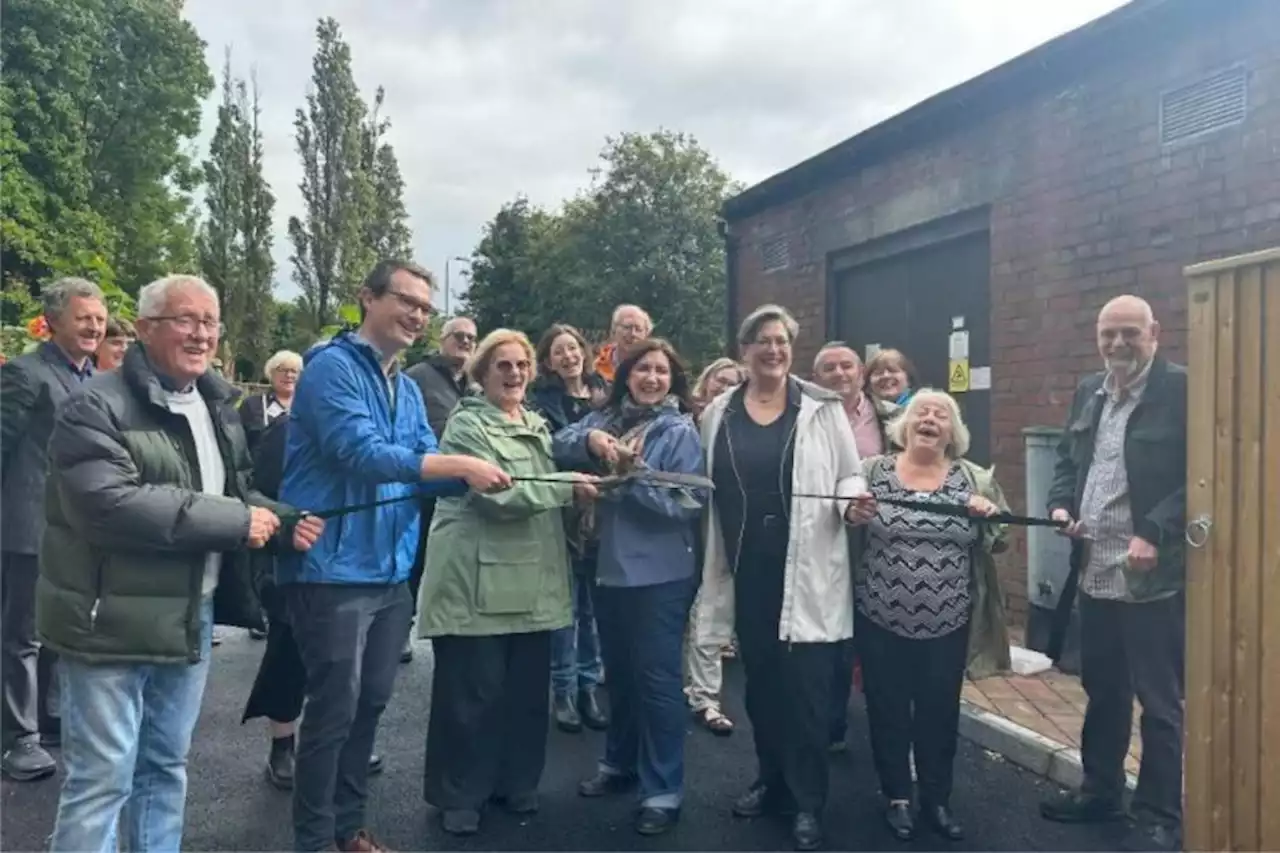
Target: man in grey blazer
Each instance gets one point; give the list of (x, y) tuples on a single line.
[(32, 387)]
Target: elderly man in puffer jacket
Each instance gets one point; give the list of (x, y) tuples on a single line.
[(149, 512)]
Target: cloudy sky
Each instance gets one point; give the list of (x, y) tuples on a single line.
[(491, 98)]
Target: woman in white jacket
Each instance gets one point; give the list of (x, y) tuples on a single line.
[(780, 564)]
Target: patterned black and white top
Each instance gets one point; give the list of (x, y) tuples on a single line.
[(915, 578)]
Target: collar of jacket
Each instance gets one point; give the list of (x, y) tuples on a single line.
[(141, 376), (808, 395), (56, 355), (443, 365), (496, 420)]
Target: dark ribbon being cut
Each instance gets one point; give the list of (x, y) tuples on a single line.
[(686, 482)]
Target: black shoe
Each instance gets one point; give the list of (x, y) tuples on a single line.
[(27, 761), (406, 653), (375, 765), (518, 804), (604, 784), (566, 715), (257, 634), (806, 831), (51, 736), (898, 817), (1078, 807), (280, 764), (460, 821), (655, 821), (942, 821), (752, 803), (589, 710)]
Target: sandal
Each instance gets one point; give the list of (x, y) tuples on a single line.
[(715, 722)]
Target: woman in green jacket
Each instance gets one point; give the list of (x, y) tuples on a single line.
[(496, 584)]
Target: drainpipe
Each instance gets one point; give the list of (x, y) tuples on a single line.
[(730, 285)]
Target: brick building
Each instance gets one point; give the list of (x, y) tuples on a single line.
[(1014, 205)]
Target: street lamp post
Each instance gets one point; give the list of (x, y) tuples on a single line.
[(448, 288)]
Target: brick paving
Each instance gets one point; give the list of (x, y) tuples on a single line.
[(1050, 703)]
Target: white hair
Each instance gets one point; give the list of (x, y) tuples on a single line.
[(767, 314), (896, 431), (452, 323), (617, 312), (153, 298), (283, 358), (55, 298)]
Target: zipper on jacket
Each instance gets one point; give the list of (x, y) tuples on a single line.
[(97, 596)]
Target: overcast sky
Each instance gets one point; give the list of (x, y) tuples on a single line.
[(491, 98)]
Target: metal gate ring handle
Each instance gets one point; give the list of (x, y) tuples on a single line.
[(1198, 531)]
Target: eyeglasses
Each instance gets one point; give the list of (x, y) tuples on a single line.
[(633, 328), (412, 304), (506, 366), (463, 337), (188, 323)]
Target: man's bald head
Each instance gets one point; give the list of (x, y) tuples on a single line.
[(1127, 335)]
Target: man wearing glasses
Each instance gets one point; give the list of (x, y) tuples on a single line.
[(443, 383), (630, 325), (358, 434)]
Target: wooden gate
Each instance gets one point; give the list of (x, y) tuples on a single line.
[(1233, 588)]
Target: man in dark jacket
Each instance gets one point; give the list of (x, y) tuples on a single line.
[(358, 435), (1120, 486), (149, 509), (31, 389), (443, 383)]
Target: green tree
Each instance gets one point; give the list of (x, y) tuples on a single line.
[(98, 103), (387, 220), (330, 248), (235, 237), (645, 231)]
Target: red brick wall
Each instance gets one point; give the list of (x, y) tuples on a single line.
[(1084, 204)]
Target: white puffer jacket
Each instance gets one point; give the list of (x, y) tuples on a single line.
[(817, 596)]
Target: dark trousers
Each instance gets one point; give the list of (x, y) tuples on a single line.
[(575, 650), (349, 638), (420, 558), (281, 683), (788, 699), (28, 671), (912, 689), (1128, 649), (487, 734), (641, 637), (842, 689)]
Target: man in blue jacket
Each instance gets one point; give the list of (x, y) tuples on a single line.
[(358, 434)]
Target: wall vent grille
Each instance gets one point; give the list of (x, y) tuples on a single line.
[(775, 254), (1217, 101)]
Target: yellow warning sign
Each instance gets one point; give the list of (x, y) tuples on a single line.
[(958, 375)]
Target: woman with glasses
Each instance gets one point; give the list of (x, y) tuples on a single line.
[(779, 562), (496, 586)]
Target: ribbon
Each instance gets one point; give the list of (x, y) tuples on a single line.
[(686, 482)]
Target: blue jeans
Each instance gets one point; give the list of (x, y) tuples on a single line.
[(126, 730), (575, 650), (641, 634)]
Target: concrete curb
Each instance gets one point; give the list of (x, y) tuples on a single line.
[(1057, 762)]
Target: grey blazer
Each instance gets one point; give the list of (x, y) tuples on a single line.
[(32, 388)]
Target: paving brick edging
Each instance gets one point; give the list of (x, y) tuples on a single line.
[(1030, 750)]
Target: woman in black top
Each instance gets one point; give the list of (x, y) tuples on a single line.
[(782, 560), (564, 394), (261, 410)]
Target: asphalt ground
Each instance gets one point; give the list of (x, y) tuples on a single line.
[(230, 806)]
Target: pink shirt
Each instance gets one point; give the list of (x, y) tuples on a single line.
[(866, 428)]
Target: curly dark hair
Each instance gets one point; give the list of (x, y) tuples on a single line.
[(680, 386)]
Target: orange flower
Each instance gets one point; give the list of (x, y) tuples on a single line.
[(38, 328)]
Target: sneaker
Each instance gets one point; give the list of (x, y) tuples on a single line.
[(27, 761), (1079, 807)]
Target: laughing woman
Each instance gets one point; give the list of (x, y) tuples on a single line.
[(646, 575), (928, 604), (496, 585)]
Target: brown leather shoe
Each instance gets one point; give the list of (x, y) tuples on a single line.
[(362, 842)]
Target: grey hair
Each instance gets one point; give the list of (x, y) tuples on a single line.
[(153, 297), (55, 298), (613, 319), (283, 358), (896, 431), (833, 345), (767, 314), (451, 324)]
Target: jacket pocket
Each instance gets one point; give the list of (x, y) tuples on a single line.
[(509, 577)]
